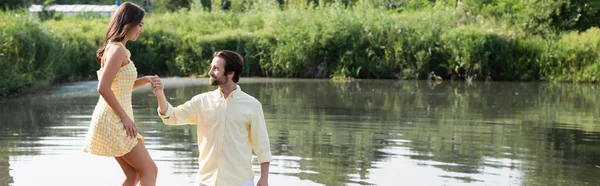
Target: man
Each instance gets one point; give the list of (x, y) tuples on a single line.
[(230, 123)]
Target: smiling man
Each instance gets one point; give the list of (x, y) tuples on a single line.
[(230, 124)]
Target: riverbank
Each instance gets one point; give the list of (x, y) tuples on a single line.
[(360, 41)]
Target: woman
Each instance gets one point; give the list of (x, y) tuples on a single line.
[(112, 131)]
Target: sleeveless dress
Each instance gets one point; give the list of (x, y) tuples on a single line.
[(106, 135)]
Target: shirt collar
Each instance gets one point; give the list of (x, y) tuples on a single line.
[(234, 94)]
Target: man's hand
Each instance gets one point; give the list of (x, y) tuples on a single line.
[(158, 90), (263, 182), (157, 86), (264, 174)]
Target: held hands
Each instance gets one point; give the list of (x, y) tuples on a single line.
[(157, 86)]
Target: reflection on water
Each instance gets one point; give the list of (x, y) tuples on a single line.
[(364, 132)]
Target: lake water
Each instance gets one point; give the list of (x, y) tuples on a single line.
[(323, 132)]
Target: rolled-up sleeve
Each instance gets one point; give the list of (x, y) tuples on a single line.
[(260, 137), (183, 114)]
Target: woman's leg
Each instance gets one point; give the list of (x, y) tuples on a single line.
[(141, 161), (131, 176)]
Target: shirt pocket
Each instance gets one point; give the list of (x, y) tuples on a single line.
[(239, 123), (209, 118)]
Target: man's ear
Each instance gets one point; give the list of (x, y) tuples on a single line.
[(231, 74)]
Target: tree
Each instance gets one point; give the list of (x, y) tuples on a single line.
[(14, 4), (172, 5)]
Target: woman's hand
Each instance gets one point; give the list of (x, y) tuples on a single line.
[(149, 79), (143, 81), (130, 128)]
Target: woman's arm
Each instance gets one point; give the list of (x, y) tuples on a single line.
[(141, 82)]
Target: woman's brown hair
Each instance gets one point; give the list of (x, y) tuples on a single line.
[(126, 16)]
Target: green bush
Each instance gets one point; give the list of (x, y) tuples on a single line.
[(574, 57), (485, 54), (172, 5), (365, 40), (28, 53), (540, 16)]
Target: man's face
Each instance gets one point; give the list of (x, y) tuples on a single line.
[(217, 72)]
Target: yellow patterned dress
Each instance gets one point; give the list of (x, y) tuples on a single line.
[(106, 135)]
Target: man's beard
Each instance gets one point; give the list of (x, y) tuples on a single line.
[(218, 81)]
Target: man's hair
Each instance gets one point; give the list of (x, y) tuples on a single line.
[(234, 62)]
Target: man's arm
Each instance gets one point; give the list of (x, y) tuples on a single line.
[(264, 174), (180, 115), (163, 104), (260, 143)]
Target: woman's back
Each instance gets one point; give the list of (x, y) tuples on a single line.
[(122, 85)]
